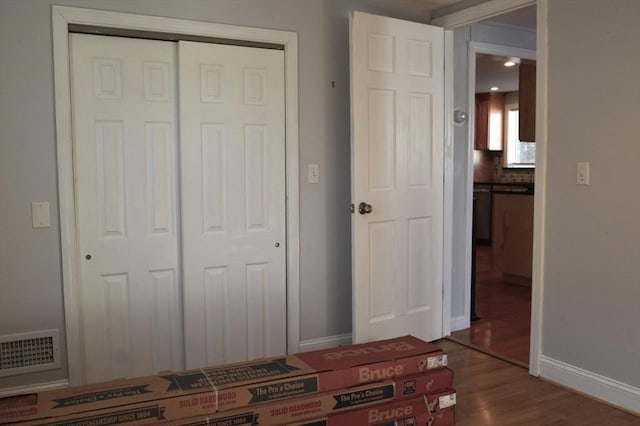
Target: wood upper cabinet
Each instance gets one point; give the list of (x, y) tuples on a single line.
[(489, 119), (527, 89), (481, 122)]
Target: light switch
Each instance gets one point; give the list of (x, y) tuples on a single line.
[(582, 177), (313, 173), (40, 214)]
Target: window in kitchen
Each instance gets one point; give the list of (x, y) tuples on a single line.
[(517, 153)]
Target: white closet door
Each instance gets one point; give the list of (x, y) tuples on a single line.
[(124, 114), (233, 193)]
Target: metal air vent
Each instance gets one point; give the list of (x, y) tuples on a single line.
[(29, 352)]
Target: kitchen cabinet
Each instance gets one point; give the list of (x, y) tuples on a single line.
[(512, 236), (527, 94), (489, 118)]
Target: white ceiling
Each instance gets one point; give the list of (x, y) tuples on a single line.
[(490, 71), (525, 17)]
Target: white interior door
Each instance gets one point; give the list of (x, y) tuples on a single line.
[(233, 191), (124, 111), (397, 87)]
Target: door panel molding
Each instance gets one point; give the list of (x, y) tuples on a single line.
[(62, 18)]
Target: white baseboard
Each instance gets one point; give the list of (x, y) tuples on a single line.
[(325, 342), (459, 323), (40, 387), (592, 384)]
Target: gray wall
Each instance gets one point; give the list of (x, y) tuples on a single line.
[(591, 311), (486, 33), (30, 259)]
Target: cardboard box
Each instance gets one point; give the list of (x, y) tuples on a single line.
[(344, 400), (285, 411), (231, 386), (422, 410), (445, 417), (440, 400), (280, 412), (410, 412)]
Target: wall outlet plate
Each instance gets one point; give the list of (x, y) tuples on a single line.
[(582, 177)]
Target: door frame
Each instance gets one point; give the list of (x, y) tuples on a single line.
[(467, 17), (62, 17)]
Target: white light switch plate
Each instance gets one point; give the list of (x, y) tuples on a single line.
[(313, 172), (40, 214)]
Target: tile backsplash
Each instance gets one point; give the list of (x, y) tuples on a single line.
[(487, 167), (502, 175)]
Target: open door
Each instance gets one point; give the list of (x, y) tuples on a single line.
[(397, 140)]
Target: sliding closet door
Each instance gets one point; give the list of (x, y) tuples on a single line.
[(233, 202), (155, 286), (125, 164)]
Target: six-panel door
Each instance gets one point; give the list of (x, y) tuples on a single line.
[(179, 206)]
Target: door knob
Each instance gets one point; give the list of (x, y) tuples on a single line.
[(364, 208)]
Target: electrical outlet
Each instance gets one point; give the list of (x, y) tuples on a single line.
[(582, 177)]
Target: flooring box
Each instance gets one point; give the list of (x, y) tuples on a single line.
[(436, 385), (435, 409), (410, 412), (171, 411), (236, 385), (444, 417)]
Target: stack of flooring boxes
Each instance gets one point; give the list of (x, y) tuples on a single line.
[(402, 381)]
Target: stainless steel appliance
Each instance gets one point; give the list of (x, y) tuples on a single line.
[(482, 195)]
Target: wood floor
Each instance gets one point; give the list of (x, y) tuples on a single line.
[(493, 392), (505, 312)]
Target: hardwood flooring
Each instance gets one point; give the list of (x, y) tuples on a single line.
[(493, 392), (505, 312)]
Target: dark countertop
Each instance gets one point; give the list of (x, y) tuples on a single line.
[(514, 188)]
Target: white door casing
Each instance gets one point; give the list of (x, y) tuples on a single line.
[(397, 95), (62, 17), (233, 192), (124, 109), (481, 12)]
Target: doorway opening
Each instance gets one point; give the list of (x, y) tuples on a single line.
[(503, 171)]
